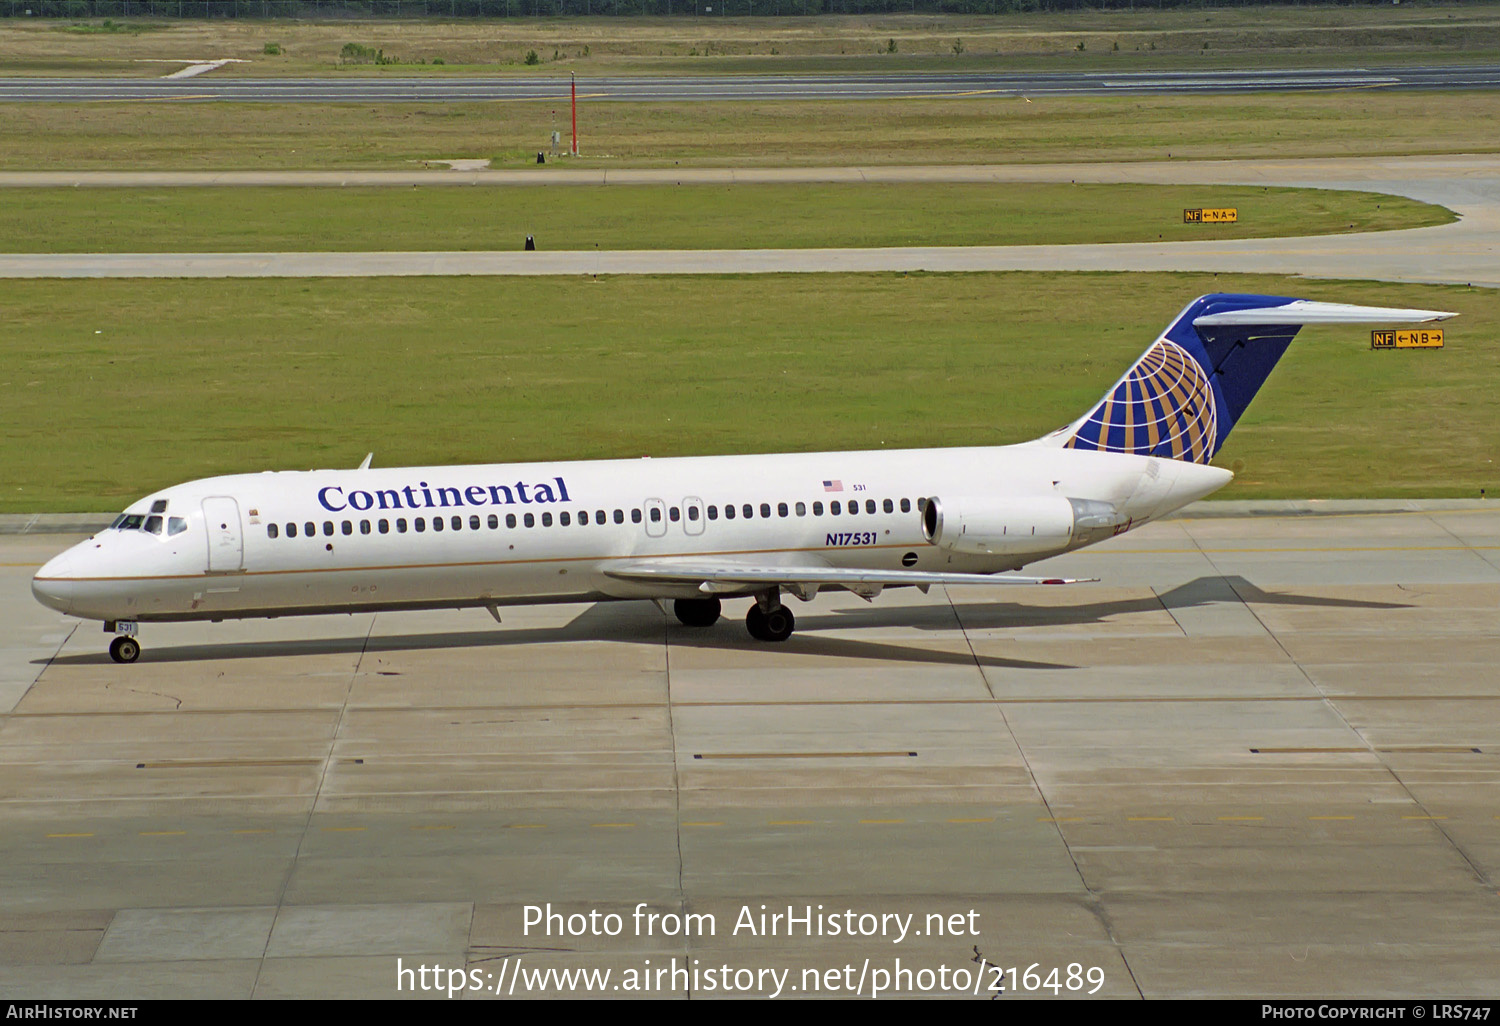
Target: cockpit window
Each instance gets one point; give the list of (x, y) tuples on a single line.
[(159, 506), (153, 524), (176, 525), (118, 521), (131, 523)]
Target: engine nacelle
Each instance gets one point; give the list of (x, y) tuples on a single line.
[(1020, 526)]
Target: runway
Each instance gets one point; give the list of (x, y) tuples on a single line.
[(1259, 756), (717, 88), (1465, 252)]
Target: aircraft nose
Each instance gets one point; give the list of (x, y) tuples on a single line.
[(52, 586)]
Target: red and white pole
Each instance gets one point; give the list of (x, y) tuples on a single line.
[(573, 93)]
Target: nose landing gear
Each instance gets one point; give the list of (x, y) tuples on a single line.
[(124, 649)]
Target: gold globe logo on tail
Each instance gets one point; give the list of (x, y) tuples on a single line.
[(1163, 406)]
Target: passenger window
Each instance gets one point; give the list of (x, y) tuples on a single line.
[(817, 509), (563, 520), (437, 523), (494, 522), (869, 505), (328, 528), (385, 527), (835, 507), (635, 516), (291, 530), (713, 512), (310, 529), (348, 527), (655, 515), (802, 509), (692, 512), (906, 505), (547, 519), (529, 520), (922, 505), (271, 529), (765, 510), (674, 514), (853, 507), (781, 509), (728, 511), (474, 522), (619, 516), (458, 523), (599, 516), (510, 520), (748, 511), (364, 527), (420, 524), (583, 517), (888, 506), (400, 525)]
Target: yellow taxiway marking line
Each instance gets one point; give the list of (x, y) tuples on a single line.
[(804, 755), (989, 819), (162, 833), (70, 835), (970, 92), (607, 825), (158, 99)]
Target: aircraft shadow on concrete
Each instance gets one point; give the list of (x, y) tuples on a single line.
[(641, 623)]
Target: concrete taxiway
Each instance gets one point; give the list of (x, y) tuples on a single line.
[(1465, 252), (1260, 756), (721, 88)]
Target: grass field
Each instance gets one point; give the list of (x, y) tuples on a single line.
[(1276, 36), (190, 136), (668, 217), (117, 387)]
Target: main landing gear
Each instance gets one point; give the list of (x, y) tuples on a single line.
[(769, 620), (697, 612), (124, 649)]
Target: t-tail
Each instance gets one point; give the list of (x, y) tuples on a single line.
[(1181, 399)]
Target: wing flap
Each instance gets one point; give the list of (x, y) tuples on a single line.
[(707, 575)]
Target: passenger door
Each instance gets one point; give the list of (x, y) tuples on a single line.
[(226, 544)]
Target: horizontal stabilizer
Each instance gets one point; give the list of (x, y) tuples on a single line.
[(1306, 311)]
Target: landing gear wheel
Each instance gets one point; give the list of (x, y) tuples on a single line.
[(697, 612), (124, 649), (776, 624)]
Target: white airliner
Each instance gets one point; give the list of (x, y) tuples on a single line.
[(697, 529)]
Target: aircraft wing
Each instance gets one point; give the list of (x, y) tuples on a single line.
[(712, 576)]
